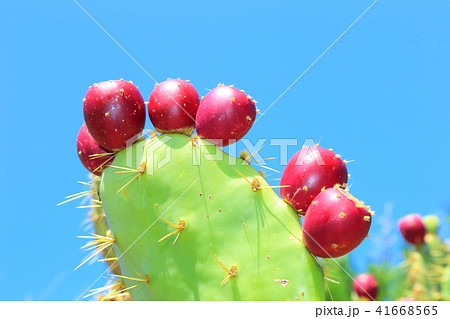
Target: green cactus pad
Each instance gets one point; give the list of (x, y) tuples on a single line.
[(227, 223), (339, 278)]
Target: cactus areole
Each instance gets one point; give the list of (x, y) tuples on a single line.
[(114, 112)]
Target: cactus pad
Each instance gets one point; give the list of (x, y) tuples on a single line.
[(193, 223)]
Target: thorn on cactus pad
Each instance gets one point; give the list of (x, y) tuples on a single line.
[(253, 183), (232, 272), (109, 259), (142, 169), (90, 206), (326, 277), (98, 244), (118, 290), (113, 288), (179, 228), (78, 195), (144, 279)]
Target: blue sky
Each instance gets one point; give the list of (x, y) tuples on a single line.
[(379, 96)]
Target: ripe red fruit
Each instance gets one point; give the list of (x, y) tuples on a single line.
[(91, 154), (335, 223), (412, 229), (366, 287), (172, 106), (307, 172), (225, 115), (114, 112)]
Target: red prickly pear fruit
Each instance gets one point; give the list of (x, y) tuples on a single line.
[(310, 170), (335, 223), (172, 106), (225, 115), (412, 229), (91, 154), (366, 287), (114, 112)]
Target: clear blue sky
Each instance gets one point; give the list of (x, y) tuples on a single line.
[(379, 96)]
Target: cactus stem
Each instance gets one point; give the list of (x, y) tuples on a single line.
[(232, 272)]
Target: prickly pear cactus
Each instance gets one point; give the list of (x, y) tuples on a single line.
[(190, 222), (427, 264)]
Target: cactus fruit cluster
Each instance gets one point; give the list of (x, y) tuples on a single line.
[(335, 222), (176, 218), (423, 275)]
